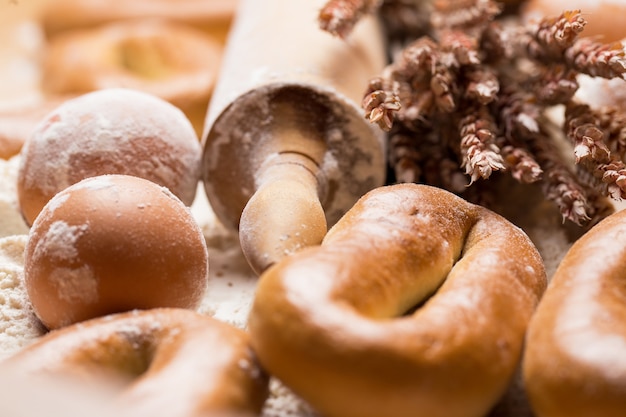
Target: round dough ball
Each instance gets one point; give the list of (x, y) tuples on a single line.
[(604, 17), (111, 131), (113, 243)]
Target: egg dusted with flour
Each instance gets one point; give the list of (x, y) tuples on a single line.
[(111, 131), (113, 243)]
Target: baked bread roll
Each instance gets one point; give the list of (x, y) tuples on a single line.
[(113, 243), (211, 16), (176, 63), (416, 303), (574, 362), (154, 361)]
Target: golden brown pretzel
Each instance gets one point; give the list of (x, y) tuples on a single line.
[(171, 361), (574, 362), (328, 321)]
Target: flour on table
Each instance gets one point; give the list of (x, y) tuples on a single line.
[(11, 222), (18, 324)]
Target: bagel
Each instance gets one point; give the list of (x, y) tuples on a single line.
[(155, 361), (211, 16), (604, 18), (574, 363), (334, 322), (176, 63)]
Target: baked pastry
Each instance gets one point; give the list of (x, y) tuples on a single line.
[(416, 303), (574, 361), (211, 16), (154, 361), (168, 60)]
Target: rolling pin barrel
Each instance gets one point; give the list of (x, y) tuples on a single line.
[(287, 150)]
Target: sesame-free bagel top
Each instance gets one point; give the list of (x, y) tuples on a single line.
[(331, 321)]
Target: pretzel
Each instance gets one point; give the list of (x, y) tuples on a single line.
[(574, 361), (172, 360), (335, 322)]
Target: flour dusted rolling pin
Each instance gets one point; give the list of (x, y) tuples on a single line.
[(286, 147)]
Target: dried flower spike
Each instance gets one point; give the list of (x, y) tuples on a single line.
[(339, 17), (464, 14), (471, 95), (481, 155), (597, 59), (379, 105), (521, 164)]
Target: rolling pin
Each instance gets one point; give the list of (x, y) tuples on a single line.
[(286, 147)]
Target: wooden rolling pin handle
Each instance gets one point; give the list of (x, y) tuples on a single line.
[(285, 213)]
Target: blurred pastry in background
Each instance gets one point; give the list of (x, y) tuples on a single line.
[(212, 16), (174, 62)]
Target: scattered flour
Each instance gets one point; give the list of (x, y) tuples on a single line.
[(284, 403), (18, 323), (11, 222), (59, 241)]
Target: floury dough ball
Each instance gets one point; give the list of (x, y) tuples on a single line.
[(113, 243), (111, 131)]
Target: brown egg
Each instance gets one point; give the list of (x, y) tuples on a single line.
[(111, 131), (605, 18), (113, 243)]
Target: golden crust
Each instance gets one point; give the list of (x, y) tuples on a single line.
[(176, 63), (332, 312), (574, 363), (174, 359)]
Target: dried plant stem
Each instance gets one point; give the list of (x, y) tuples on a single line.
[(481, 156), (339, 17), (583, 128), (469, 97)]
